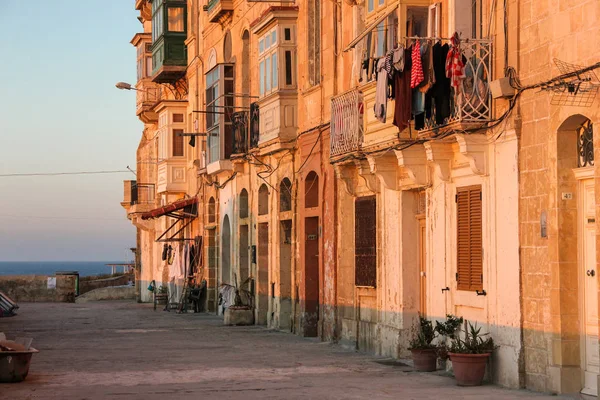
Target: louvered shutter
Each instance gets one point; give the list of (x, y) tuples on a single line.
[(365, 241), (469, 238)]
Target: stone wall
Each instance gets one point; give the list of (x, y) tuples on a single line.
[(34, 288), (86, 286)]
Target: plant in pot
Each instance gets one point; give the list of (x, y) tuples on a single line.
[(424, 352), (469, 355), (447, 330)]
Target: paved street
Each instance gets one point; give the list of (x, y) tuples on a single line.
[(124, 350)]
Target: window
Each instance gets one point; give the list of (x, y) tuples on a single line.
[(148, 66), (276, 52), (267, 55), (175, 19), (157, 20), (469, 267), (311, 190), (219, 107), (144, 61), (285, 195), (177, 117), (314, 42), (263, 200), (468, 18), (177, 143), (365, 241), (434, 20)]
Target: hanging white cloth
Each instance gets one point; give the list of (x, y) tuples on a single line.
[(175, 267), (186, 260)]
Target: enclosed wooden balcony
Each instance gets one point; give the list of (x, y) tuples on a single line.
[(169, 32)]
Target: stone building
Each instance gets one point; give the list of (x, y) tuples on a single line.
[(267, 144)]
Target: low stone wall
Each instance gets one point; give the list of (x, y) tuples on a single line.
[(108, 293), (34, 288), (86, 286)]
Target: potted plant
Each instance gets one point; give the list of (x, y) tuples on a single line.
[(424, 352), (447, 330), (469, 355), (241, 311)]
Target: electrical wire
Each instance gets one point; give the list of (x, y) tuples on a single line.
[(64, 173)]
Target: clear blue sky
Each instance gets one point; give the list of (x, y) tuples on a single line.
[(60, 112)]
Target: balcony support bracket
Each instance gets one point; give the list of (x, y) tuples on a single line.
[(347, 174), (385, 167), (364, 170), (473, 148), (440, 156), (413, 165)]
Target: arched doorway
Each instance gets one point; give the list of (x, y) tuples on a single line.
[(226, 251), (572, 231), (285, 254), (263, 257)]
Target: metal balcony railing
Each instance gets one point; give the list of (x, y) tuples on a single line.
[(472, 101), (147, 96), (347, 122), (143, 193), (240, 125)]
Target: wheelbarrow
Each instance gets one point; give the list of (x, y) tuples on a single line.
[(15, 358)]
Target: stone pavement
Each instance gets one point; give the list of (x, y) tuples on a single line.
[(125, 350)]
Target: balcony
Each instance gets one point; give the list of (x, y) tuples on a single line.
[(218, 8), (138, 197), (347, 123), (148, 94), (470, 105), (245, 131)]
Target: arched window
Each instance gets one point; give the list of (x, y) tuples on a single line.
[(585, 144), (211, 211), (285, 195), (311, 190), (244, 203), (263, 200)]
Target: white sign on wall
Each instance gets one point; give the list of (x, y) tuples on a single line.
[(52, 283)]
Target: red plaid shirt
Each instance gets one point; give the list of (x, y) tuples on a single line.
[(455, 68)]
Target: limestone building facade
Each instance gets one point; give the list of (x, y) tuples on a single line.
[(347, 197)]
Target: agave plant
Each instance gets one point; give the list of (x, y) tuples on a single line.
[(474, 342)]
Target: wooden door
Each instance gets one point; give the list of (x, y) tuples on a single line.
[(591, 362), (311, 276)]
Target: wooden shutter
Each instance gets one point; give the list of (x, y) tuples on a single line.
[(469, 267), (365, 241)]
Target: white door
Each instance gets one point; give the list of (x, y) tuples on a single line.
[(591, 362)]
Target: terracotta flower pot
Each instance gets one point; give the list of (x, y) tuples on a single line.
[(469, 369), (425, 360)]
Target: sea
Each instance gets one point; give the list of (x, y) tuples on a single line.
[(85, 268)]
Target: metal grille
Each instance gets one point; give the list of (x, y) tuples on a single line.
[(239, 125), (254, 125), (585, 144), (472, 101), (347, 125)]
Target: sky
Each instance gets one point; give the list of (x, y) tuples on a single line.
[(60, 112)]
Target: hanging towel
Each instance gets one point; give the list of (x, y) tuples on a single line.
[(416, 76), (381, 94), (176, 260), (455, 68), (398, 58), (403, 105)]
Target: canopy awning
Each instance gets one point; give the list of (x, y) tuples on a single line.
[(370, 27), (170, 209)]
